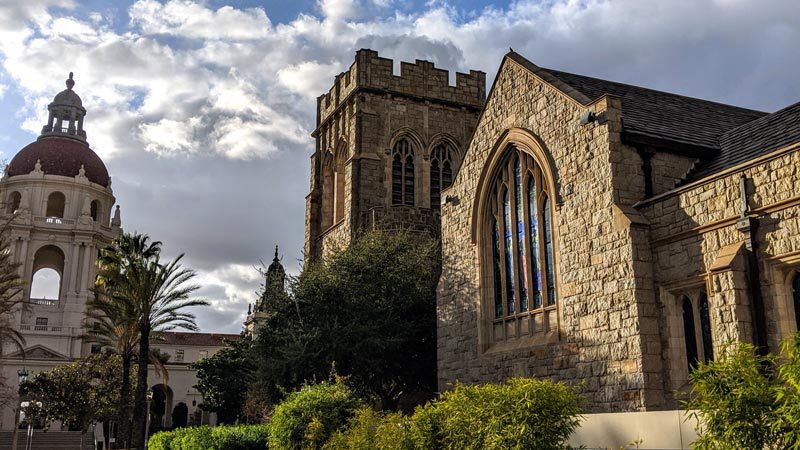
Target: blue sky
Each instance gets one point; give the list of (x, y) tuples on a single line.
[(202, 110)]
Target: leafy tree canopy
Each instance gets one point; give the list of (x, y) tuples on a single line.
[(368, 310), (214, 373)]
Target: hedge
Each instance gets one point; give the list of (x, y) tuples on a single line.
[(223, 437)]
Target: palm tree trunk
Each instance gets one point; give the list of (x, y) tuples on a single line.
[(123, 434), (140, 402)]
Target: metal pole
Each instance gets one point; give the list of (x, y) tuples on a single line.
[(15, 435), (29, 440), (147, 427)]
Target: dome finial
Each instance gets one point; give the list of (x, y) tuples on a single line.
[(70, 82), (276, 253)]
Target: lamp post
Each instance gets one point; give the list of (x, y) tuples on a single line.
[(149, 414), (23, 378)]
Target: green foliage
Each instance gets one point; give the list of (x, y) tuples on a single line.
[(370, 309), (788, 393), (521, 413), (372, 430), (735, 399), (213, 379), (78, 394), (307, 418), (223, 437)]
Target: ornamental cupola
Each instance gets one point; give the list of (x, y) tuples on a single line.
[(66, 114), (274, 283)]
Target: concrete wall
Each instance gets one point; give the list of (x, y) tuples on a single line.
[(664, 430)]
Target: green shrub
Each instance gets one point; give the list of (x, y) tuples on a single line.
[(240, 437), (788, 393), (223, 437), (735, 401), (307, 418), (371, 430), (522, 413)]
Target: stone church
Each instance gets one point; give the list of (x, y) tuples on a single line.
[(592, 231)]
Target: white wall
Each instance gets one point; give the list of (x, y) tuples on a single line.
[(665, 430)]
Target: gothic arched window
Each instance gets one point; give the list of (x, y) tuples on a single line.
[(403, 173), (796, 298), (338, 178), (520, 231), (441, 172)]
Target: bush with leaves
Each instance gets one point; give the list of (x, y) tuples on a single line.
[(735, 400), (222, 437), (521, 413), (788, 393), (373, 430), (307, 418), (213, 379)]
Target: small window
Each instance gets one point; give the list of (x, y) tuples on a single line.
[(95, 210), (41, 324), (179, 355), (689, 335), (55, 205), (14, 201)]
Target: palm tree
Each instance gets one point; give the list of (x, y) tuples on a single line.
[(112, 320), (112, 323), (160, 294)]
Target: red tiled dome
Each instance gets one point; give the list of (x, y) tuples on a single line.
[(60, 156)]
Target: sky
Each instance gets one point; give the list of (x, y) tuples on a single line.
[(202, 110)]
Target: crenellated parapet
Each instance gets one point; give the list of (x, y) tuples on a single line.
[(420, 80)]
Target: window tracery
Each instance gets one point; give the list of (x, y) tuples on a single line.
[(403, 173)]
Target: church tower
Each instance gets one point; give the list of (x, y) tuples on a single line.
[(274, 285), (57, 198), (386, 148)]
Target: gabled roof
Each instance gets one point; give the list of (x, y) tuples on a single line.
[(650, 113)]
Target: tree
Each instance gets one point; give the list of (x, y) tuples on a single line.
[(77, 394), (112, 320), (161, 295), (369, 309), (214, 379)]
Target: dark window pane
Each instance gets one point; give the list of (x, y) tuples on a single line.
[(705, 327), (498, 287), (796, 298), (436, 187), (548, 252), (689, 334)]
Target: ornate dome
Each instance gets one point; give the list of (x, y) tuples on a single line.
[(60, 156)]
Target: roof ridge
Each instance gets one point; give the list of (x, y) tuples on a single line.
[(551, 71)]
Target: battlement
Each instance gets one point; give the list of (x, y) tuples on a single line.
[(420, 79)]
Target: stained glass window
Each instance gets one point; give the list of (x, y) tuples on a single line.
[(441, 173), (498, 287), (509, 236), (403, 173), (533, 227), (522, 246), (705, 328)]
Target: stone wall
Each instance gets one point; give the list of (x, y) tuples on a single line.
[(365, 112), (597, 339)]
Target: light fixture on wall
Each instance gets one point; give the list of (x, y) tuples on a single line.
[(590, 116)]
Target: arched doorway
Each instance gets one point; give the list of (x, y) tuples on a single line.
[(160, 408)]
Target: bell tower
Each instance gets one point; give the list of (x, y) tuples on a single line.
[(57, 200)]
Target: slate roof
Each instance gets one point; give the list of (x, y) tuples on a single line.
[(197, 339), (767, 134), (730, 133)]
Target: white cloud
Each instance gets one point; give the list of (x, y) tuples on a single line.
[(203, 114)]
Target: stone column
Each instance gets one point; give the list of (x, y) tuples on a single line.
[(730, 309)]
